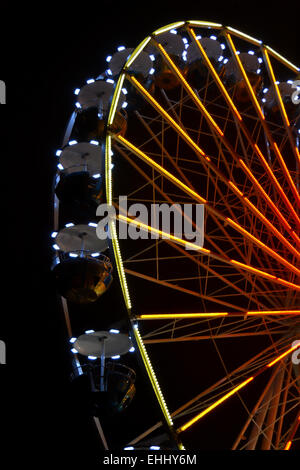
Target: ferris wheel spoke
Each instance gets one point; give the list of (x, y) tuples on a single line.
[(268, 415), (165, 152), (200, 199), (207, 236), (235, 390), (262, 119), (179, 288), (168, 316), (283, 405), (232, 185), (292, 433), (208, 116), (178, 412), (246, 267), (283, 112), (234, 109)]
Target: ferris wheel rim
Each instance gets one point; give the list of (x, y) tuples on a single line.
[(268, 51)]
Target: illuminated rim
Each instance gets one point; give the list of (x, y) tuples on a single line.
[(292, 244)]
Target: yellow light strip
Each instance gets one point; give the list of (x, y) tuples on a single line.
[(244, 74), (161, 110), (120, 267), (152, 376), (121, 271), (108, 179), (207, 24), (274, 312), (115, 99), (112, 227), (168, 27), (174, 316), (235, 389), (189, 89), (214, 73), (159, 168), (214, 405), (136, 52), (264, 247), (244, 36), (288, 445), (279, 99), (162, 234), (283, 355), (271, 277), (283, 59), (171, 316)]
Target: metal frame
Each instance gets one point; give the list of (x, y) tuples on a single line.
[(272, 218)]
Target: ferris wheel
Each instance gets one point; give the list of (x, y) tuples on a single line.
[(198, 116)]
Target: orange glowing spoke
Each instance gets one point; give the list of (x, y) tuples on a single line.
[(287, 174), (189, 89), (265, 247), (178, 288), (258, 108), (245, 77), (271, 277), (171, 316), (214, 73), (274, 209), (214, 405), (278, 186), (219, 82), (293, 348), (277, 92), (235, 389)]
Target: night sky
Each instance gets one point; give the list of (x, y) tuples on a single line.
[(47, 52)]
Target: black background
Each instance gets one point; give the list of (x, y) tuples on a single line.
[(47, 50)]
